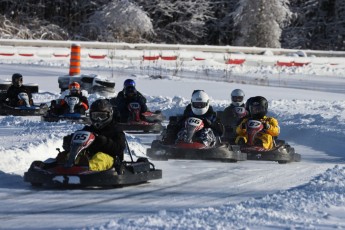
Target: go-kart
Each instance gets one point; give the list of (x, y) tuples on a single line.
[(25, 107), (281, 152), (142, 122), (69, 114), (195, 143), (75, 170)]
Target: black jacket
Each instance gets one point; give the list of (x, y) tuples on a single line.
[(12, 94), (110, 140), (122, 102), (230, 119)]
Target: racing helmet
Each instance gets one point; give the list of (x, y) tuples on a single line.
[(257, 107), (17, 79), (200, 102), (237, 97), (74, 88), (129, 82), (101, 113)]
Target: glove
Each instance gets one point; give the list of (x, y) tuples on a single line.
[(66, 144), (181, 135), (101, 140), (266, 126), (206, 121)]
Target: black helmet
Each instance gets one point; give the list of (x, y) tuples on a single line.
[(130, 91), (17, 79), (101, 113), (257, 107)]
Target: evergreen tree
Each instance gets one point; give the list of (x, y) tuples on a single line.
[(260, 22)]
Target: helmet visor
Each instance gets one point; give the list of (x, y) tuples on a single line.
[(256, 109), (18, 81), (237, 98), (99, 116), (130, 91), (199, 105)]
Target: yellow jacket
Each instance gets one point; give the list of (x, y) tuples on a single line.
[(266, 137)]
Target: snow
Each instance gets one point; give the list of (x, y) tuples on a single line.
[(307, 101)]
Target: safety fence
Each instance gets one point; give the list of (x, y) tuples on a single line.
[(97, 51)]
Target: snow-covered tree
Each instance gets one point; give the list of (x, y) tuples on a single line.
[(220, 30), (260, 22), (319, 24), (179, 21), (120, 20), (45, 19)]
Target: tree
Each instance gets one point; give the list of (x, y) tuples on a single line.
[(260, 22), (318, 24), (179, 21), (119, 21)]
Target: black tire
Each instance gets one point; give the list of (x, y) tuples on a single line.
[(282, 162), (32, 88), (33, 184), (4, 87), (229, 161), (142, 159)]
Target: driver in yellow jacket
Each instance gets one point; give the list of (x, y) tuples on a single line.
[(257, 107)]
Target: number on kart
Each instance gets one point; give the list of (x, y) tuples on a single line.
[(253, 124), (193, 121), (80, 137), (239, 110)]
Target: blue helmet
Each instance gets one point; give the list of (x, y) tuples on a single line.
[(129, 82)]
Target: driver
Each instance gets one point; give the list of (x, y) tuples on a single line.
[(110, 141), (233, 114), (128, 95), (61, 106), (257, 111), (16, 88), (200, 108)]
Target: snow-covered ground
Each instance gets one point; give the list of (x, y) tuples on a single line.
[(307, 101)]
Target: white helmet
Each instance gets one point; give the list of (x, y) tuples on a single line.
[(200, 102), (237, 97)]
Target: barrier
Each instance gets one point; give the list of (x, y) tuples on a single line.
[(95, 56), (145, 52), (6, 54), (151, 58), (290, 64), (235, 61)]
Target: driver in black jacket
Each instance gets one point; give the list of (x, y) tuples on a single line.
[(16, 88), (110, 141)]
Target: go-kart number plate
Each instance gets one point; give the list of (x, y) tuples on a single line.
[(81, 137), (67, 179), (73, 100), (134, 105), (194, 121), (254, 124), (240, 110)]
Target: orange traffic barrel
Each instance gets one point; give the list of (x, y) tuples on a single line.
[(74, 64)]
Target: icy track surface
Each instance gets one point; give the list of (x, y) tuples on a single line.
[(192, 194)]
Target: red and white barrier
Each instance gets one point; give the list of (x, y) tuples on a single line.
[(190, 53)]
